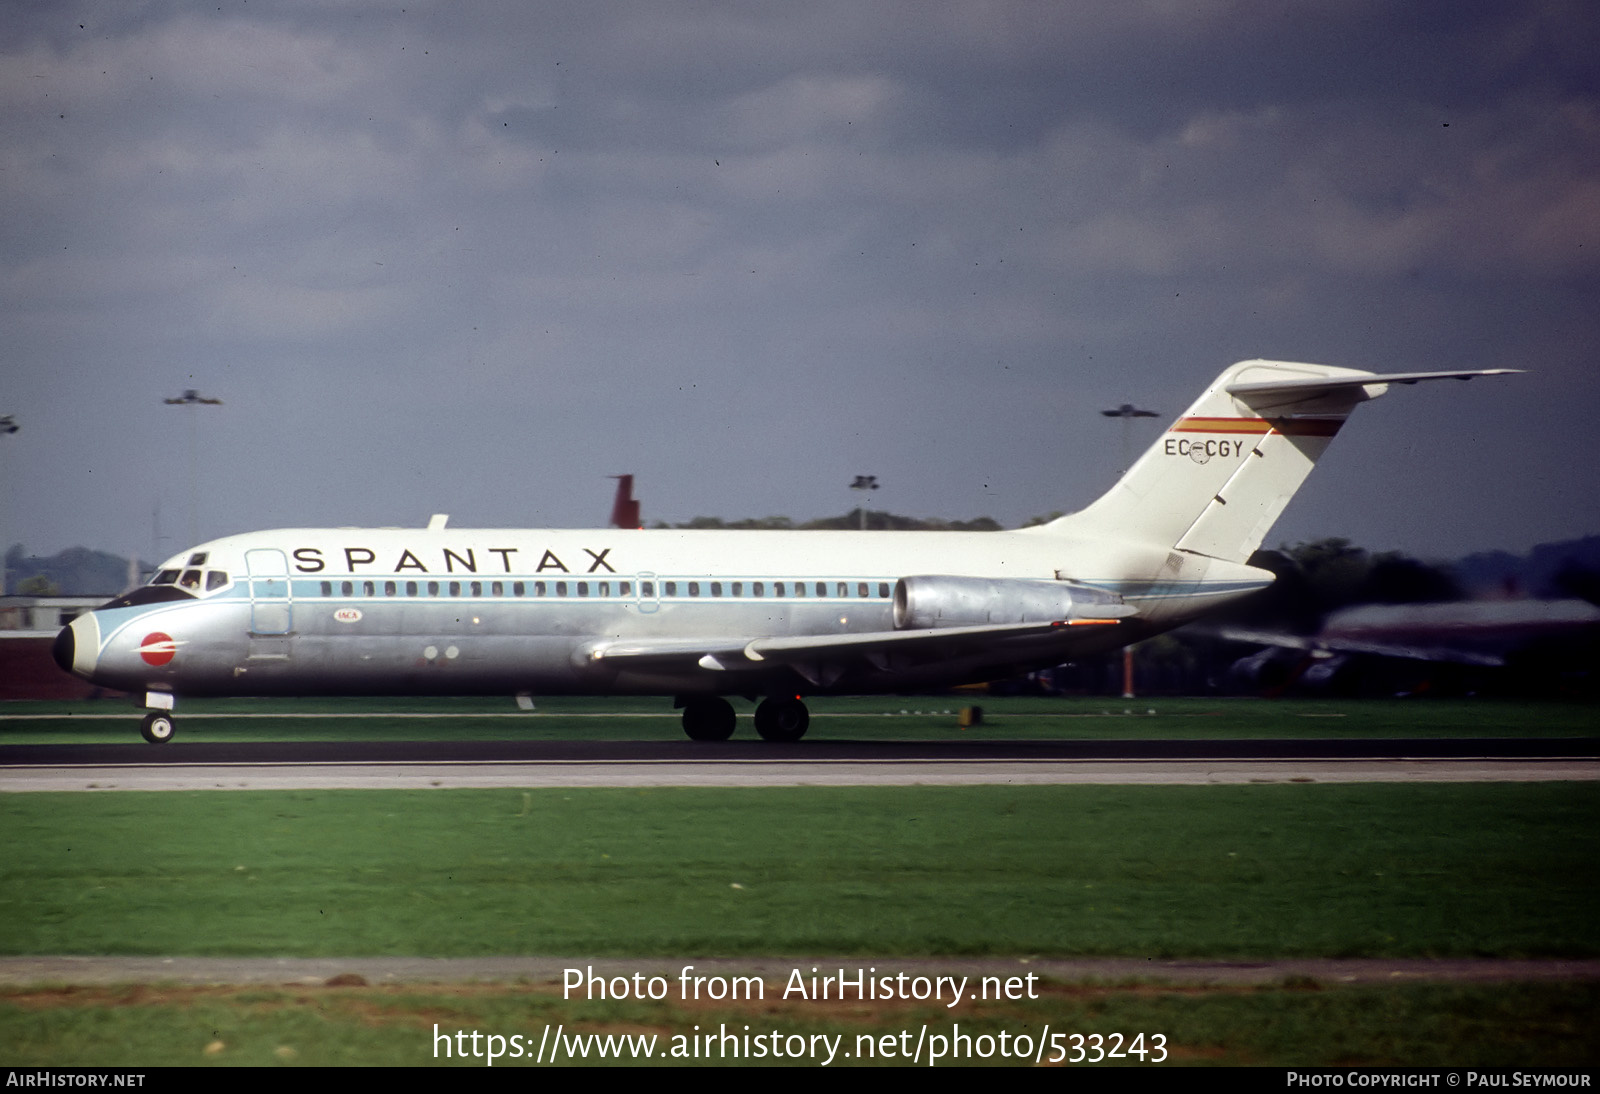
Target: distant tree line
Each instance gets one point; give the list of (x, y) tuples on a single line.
[(1318, 578), (76, 571)]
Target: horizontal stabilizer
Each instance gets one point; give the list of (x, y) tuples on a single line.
[(1283, 392)]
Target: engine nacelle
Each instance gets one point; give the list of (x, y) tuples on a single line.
[(923, 603)]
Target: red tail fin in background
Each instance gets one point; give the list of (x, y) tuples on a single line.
[(624, 509)]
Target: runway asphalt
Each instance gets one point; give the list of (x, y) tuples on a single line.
[(447, 764)]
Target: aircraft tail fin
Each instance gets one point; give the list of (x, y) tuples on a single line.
[(1217, 479)]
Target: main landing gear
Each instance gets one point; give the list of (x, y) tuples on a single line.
[(782, 719), (711, 718)]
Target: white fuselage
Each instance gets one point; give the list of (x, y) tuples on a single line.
[(362, 611)]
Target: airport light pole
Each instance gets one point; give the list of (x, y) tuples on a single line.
[(864, 482), (1127, 412), (191, 399), (8, 426)]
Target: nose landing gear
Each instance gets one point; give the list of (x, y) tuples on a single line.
[(157, 727)]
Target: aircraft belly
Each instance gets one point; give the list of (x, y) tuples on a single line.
[(434, 664)]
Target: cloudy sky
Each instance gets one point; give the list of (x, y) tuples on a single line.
[(474, 257)]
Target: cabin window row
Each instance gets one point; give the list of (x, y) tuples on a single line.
[(478, 588), (844, 590)]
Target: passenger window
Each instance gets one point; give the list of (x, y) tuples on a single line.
[(716, 588), (561, 588), (694, 588), (327, 588), (497, 589), (477, 588), (844, 589), (756, 588), (518, 589), (540, 589), (455, 588), (583, 588), (883, 590), (388, 588), (671, 588), (345, 588), (822, 588), (433, 588), (411, 588), (368, 589), (861, 590), (738, 588), (603, 589), (623, 588)]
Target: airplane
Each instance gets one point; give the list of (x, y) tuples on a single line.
[(1483, 634), (704, 614)]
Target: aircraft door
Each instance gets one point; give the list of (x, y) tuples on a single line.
[(271, 607), (649, 592)]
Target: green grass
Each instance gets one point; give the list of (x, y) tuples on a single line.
[(835, 718), (1390, 870), (1504, 1025)]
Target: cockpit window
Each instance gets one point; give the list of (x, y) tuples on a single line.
[(190, 579), (197, 559), (215, 579), (148, 594), (165, 577)]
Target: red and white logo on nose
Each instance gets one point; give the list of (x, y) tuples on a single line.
[(158, 648)]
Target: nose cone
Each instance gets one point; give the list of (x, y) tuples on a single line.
[(63, 648), (77, 647)]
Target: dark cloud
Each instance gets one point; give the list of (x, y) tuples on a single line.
[(475, 257)]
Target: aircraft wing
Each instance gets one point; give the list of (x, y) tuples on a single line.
[(1414, 652), (822, 659)]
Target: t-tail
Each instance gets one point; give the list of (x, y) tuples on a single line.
[(1213, 484)]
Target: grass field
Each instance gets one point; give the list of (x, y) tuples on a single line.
[(1232, 873), (1383, 870)]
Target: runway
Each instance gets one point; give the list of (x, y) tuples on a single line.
[(536, 764)]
